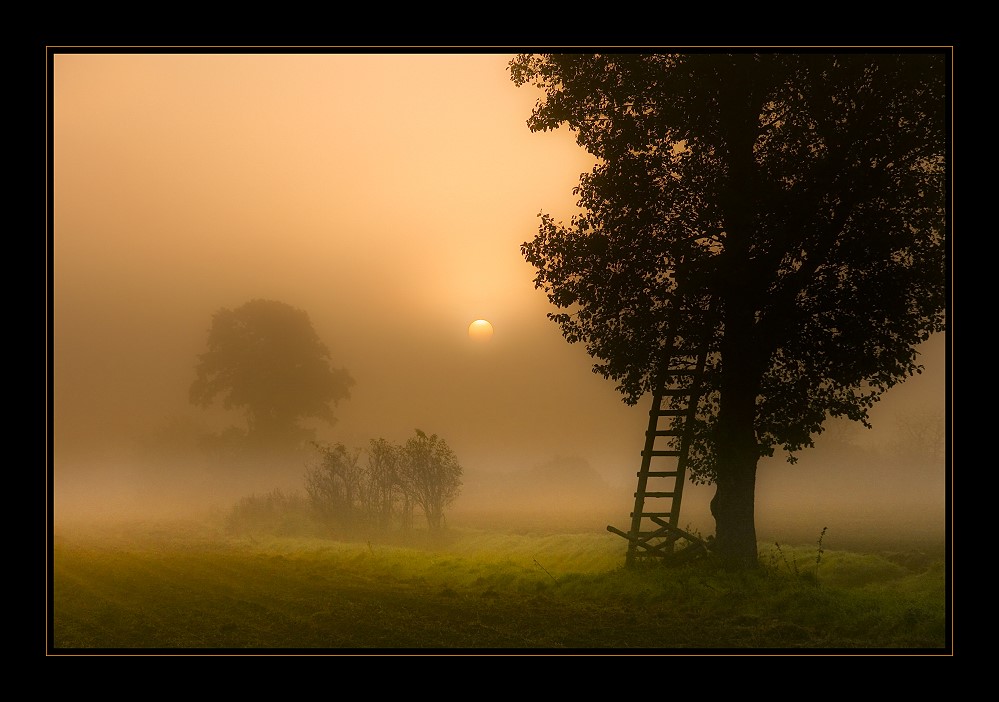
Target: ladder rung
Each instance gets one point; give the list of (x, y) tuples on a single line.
[(660, 474), (678, 392), (660, 453), (655, 494), (667, 413), (666, 432), (657, 532), (653, 514)]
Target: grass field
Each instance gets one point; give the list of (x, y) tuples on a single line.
[(192, 588)]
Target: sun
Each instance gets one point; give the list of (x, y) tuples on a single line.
[(480, 330)]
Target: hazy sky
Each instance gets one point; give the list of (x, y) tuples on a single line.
[(386, 195)]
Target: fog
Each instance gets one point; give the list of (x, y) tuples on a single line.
[(387, 196)]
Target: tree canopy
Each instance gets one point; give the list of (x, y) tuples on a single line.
[(265, 357), (803, 194)]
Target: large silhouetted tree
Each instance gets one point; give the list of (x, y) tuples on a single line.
[(803, 193), (265, 358)]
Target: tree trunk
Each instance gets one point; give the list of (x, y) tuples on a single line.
[(733, 505), (733, 508), (433, 519)]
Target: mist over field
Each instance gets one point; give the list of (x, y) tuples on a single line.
[(869, 487), (386, 196)]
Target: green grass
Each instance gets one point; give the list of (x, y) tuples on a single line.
[(189, 587)]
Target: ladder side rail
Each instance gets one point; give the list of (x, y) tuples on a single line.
[(643, 474), (651, 432), (665, 385), (686, 438)]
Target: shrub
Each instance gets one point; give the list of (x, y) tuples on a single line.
[(272, 513)]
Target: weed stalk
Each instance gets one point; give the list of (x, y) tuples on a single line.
[(818, 556), (546, 570)]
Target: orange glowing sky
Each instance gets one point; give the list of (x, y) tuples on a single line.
[(385, 194)]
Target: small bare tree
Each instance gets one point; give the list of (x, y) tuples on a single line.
[(386, 496), (430, 475), (336, 485)]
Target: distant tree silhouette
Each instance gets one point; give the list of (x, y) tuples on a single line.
[(265, 358), (805, 192), (921, 437)]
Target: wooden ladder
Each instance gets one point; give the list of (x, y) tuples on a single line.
[(655, 529)]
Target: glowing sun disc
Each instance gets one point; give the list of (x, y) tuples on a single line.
[(480, 330)]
